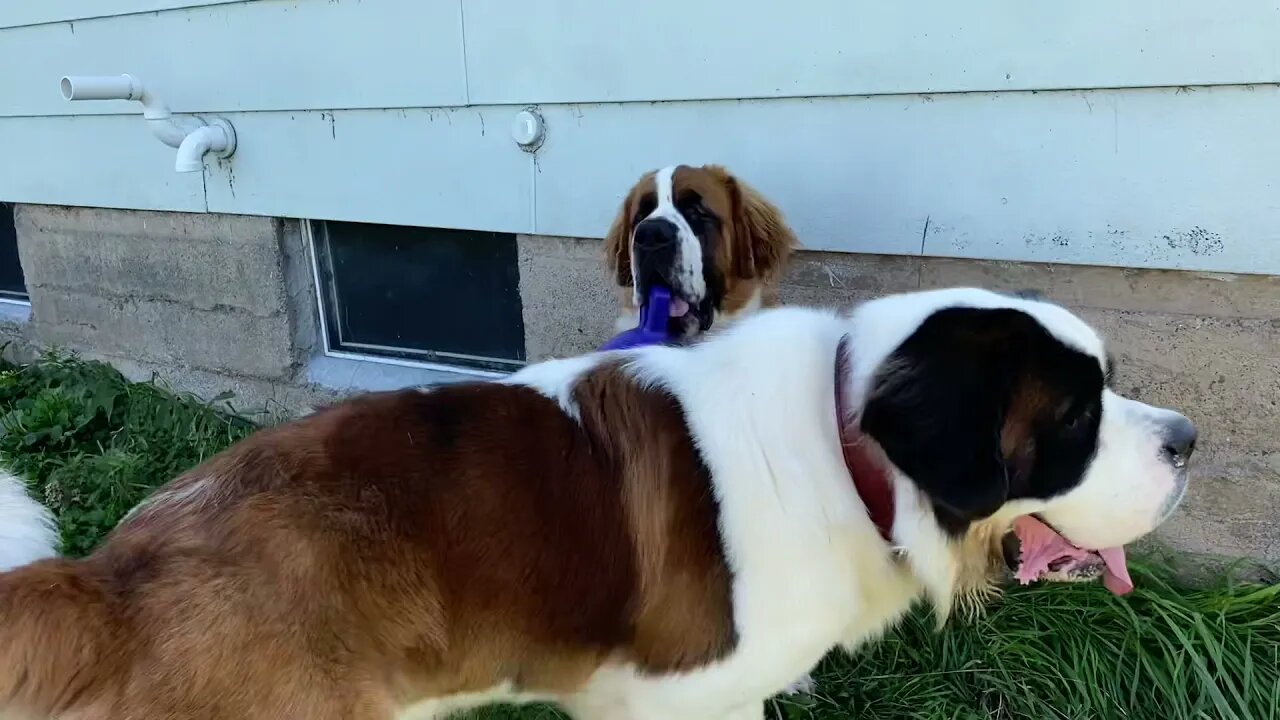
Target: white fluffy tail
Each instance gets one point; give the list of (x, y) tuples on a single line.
[(27, 529)]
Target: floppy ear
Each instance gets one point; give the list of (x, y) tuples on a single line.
[(617, 246), (762, 241), (944, 408)]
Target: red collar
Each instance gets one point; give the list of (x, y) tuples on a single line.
[(870, 477)]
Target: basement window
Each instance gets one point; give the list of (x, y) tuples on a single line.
[(13, 284), (419, 295)]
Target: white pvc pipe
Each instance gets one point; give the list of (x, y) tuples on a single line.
[(174, 129), (101, 87), (192, 149), (216, 137), (117, 87), (188, 133)]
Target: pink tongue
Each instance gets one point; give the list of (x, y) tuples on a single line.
[(679, 307), (1116, 578), (1042, 546)]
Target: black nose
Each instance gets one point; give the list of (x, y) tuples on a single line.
[(654, 235), (1179, 440)]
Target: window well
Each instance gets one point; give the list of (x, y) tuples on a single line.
[(448, 297)]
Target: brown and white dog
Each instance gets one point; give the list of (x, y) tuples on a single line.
[(715, 242), (664, 532)]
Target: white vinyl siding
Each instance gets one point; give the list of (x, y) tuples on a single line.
[(1137, 133)]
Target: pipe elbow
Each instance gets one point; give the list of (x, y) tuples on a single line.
[(192, 149), (173, 130), (218, 137)]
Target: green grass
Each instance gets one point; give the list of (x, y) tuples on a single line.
[(92, 445), (1066, 652)]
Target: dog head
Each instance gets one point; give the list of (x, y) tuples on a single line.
[(994, 407), (714, 241)]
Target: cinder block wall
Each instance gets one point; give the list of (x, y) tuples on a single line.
[(210, 303), (214, 303)]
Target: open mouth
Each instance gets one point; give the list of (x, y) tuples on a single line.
[(689, 317), (1035, 551), (679, 307), (686, 316)]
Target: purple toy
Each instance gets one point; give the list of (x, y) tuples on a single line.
[(654, 315)]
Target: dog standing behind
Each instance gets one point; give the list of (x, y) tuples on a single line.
[(717, 243)]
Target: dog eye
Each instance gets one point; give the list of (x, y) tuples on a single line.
[(1077, 419), (691, 204), (644, 209), (698, 213)]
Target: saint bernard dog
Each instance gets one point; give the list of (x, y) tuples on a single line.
[(715, 242), (664, 532)]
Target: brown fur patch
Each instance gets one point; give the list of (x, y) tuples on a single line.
[(683, 614), (761, 241), (392, 548), (1031, 403), (980, 554)]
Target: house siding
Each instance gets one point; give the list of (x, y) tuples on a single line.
[(1124, 135)]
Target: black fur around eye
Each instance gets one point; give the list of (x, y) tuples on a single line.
[(697, 214), (691, 202), (644, 209), (949, 389), (1077, 419)]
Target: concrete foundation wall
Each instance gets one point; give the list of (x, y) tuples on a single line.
[(213, 303), (209, 303)]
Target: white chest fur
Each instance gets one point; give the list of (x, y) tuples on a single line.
[(810, 569)]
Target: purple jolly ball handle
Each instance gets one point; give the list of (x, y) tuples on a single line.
[(653, 323)]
